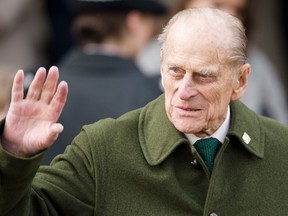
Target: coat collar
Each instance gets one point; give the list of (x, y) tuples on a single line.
[(245, 125), (159, 138)]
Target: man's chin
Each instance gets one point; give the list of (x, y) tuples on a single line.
[(187, 128)]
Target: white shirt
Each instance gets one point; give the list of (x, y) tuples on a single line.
[(220, 134)]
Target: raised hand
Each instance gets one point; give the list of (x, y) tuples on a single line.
[(31, 123)]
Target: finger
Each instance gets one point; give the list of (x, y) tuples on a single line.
[(17, 87), (55, 130), (36, 85), (50, 84), (58, 101), (52, 134)]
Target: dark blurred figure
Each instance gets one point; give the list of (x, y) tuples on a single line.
[(61, 39), (283, 6), (110, 35)]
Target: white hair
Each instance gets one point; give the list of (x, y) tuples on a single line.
[(235, 47)]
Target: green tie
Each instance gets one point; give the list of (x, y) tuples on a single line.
[(208, 148)]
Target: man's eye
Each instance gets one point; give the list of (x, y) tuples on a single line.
[(176, 69), (204, 75)]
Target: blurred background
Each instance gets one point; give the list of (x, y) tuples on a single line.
[(270, 31)]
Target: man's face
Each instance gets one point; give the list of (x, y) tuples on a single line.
[(198, 86)]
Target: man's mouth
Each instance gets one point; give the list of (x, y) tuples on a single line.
[(188, 111)]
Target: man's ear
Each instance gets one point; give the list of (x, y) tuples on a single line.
[(241, 82)]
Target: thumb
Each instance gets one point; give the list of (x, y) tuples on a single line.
[(55, 130)]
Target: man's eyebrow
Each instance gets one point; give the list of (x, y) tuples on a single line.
[(209, 70), (173, 64)]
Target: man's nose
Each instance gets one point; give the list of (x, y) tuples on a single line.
[(187, 88)]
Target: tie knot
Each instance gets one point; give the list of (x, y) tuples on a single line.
[(208, 148)]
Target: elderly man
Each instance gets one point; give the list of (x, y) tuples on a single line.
[(148, 161)]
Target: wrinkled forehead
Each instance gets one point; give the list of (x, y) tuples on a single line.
[(207, 28), (206, 33)]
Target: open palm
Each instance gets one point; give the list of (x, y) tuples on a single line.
[(31, 123)]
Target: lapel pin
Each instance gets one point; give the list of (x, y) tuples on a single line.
[(246, 138)]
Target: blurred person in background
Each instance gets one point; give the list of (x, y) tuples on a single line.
[(6, 77), (265, 93), (104, 80), (24, 33)]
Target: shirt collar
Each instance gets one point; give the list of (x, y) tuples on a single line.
[(220, 134)]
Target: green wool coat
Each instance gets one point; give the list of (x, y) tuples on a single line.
[(140, 165)]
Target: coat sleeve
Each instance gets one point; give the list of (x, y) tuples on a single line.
[(66, 187)]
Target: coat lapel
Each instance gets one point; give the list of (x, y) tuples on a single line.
[(157, 135), (246, 127)]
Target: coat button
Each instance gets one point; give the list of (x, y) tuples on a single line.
[(195, 163), (213, 214)]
